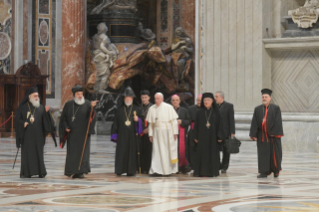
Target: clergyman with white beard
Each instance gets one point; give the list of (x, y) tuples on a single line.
[(32, 124), (74, 121)]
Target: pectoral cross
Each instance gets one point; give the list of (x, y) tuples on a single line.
[(73, 118)]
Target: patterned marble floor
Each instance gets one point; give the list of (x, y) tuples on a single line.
[(297, 188)]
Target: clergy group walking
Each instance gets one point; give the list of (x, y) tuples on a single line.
[(159, 140)]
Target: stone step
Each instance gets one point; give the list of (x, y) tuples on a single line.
[(242, 126)]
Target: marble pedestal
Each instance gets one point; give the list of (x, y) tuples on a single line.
[(292, 29)]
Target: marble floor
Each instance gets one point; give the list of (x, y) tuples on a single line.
[(297, 188)]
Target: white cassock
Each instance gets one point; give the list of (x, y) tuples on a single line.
[(162, 127)]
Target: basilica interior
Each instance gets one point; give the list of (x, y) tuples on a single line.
[(182, 47)]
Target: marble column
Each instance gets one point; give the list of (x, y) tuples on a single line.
[(73, 46)]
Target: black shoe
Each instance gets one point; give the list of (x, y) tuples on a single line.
[(276, 174), (262, 176), (185, 169), (42, 176), (155, 175), (25, 176), (81, 176), (223, 171), (119, 175), (130, 175)]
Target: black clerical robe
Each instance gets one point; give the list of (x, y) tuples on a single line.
[(126, 157), (191, 143), (182, 136), (227, 114), (76, 137), (146, 144), (266, 126), (207, 151), (32, 138)]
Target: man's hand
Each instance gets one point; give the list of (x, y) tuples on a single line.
[(220, 141), (175, 137), (232, 135), (179, 122), (93, 103), (254, 138), (47, 108), (145, 131), (68, 130), (151, 139), (26, 124), (136, 118), (196, 141)]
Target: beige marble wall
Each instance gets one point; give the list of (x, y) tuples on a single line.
[(232, 55)]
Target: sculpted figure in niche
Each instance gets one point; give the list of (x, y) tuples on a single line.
[(115, 5), (104, 55), (182, 43), (145, 34)]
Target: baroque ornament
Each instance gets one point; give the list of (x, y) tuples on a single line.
[(307, 15)]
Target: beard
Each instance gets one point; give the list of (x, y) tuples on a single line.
[(35, 103), (78, 101), (128, 103)]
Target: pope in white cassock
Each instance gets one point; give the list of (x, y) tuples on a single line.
[(163, 131)]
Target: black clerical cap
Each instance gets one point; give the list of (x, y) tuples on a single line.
[(129, 92), (77, 88), (32, 90), (266, 91), (145, 92), (208, 95)]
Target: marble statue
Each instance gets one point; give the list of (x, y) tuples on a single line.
[(145, 34), (182, 44), (104, 55), (306, 15), (114, 5)]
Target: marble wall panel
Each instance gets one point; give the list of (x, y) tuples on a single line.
[(187, 17), (44, 40), (25, 29), (295, 80), (44, 63), (5, 36), (44, 7), (44, 32), (177, 13), (164, 22)]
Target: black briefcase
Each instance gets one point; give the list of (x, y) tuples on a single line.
[(232, 145)]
